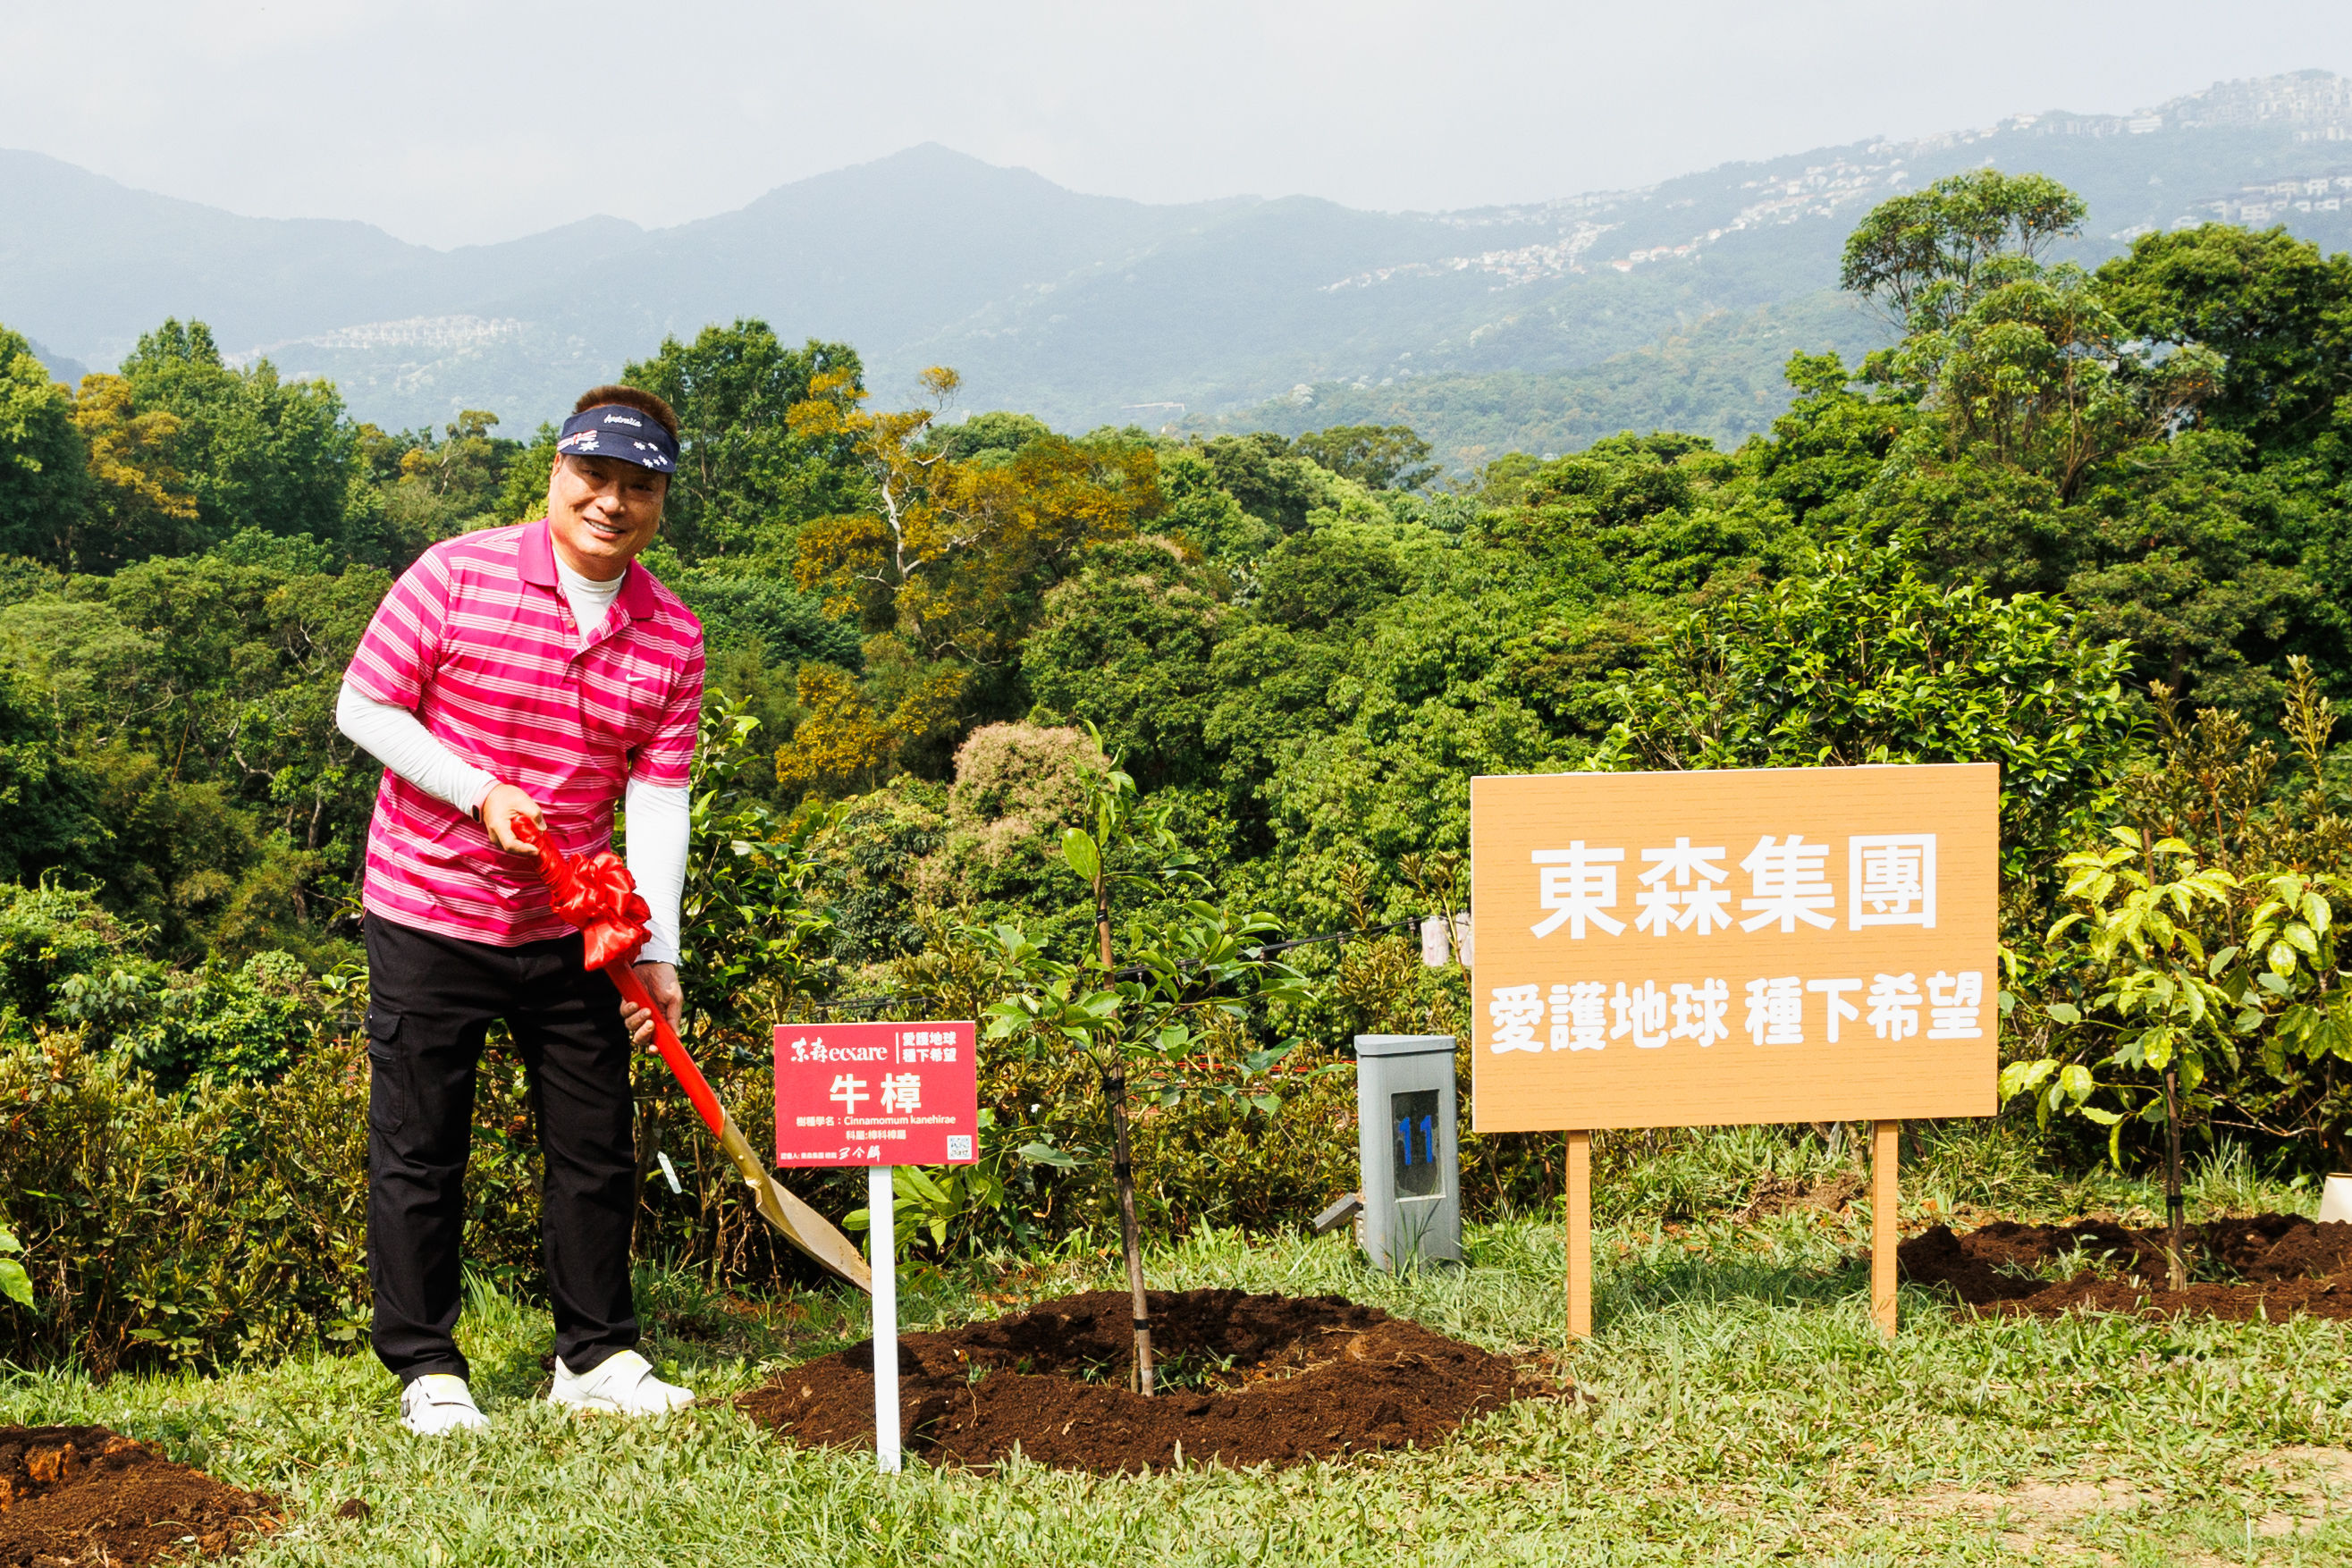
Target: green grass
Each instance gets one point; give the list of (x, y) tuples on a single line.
[(1739, 1408)]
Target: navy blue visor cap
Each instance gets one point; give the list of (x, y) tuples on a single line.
[(616, 430)]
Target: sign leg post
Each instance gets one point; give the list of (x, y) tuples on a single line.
[(1580, 1236), (1883, 1198), (881, 1225)]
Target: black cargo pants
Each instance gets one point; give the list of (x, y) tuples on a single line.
[(431, 1001)]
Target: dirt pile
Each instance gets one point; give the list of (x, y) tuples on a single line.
[(1780, 1194), (72, 1496), (1242, 1379), (2271, 1265)]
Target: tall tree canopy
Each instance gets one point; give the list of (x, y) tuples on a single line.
[(2276, 310), (1925, 258), (44, 480), (746, 479)]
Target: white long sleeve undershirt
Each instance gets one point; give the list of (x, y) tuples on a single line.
[(590, 598), (661, 819), (660, 815)]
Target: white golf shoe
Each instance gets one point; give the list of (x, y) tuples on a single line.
[(439, 1402), (622, 1384)]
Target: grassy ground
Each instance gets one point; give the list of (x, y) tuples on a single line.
[(1739, 1408)]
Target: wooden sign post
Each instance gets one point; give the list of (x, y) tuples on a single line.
[(1579, 1234), (1882, 1238), (1745, 945)]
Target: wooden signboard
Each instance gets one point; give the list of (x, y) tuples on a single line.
[(1702, 949)]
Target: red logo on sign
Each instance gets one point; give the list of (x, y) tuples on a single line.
[(876, 1094)]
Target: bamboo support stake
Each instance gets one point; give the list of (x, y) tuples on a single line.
[(1883, 1198), (1580, 1236)]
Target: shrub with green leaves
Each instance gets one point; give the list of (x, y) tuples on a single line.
[(224, 1222), (55, 942), (2193, 983), (245, 1025), (1866, 661), (15, 1283)]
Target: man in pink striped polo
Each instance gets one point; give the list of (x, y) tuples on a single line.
[(532, 671)]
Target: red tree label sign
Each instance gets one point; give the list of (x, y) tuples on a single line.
[(877, 1094)]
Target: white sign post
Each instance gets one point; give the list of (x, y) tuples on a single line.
[(881, 1095), (883, 1258)]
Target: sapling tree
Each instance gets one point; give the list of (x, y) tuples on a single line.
[(2200, 950), (2167, 1015), (2160, 1010), (1138, 1011)]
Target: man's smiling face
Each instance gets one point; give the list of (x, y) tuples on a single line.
[(602, 512)]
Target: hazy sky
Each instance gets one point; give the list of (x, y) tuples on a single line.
[(451, 124)]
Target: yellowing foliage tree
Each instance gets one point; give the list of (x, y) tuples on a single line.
[(956, 557), (840, 741), (846, 740), (142, 493), (947, 570)]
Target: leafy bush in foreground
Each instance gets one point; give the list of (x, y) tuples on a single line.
[(227, 1223)]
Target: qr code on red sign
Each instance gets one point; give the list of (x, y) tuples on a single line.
[(959, 1145)]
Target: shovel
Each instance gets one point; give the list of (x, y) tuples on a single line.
[(596, 893)]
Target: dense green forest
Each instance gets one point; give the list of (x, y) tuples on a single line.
[(1716, 373), (1311, 641), (2064, 512)]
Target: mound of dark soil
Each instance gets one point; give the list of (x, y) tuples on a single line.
[(2275, 1266), (1242, 1379), (82, 1495)]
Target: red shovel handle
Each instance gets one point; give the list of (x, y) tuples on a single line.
[(673, 1050), (596, 893)]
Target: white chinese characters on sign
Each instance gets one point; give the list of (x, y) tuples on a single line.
[(1586, 1016), (1792, 884), (1683, 889), (1515, 1011), (1578, 885), (1640, 1013), (1699, 1011), (1953, 1001), (1894, 1007), (1836, 1006), (1579, 1015), (1776, 1011), (1890, 881)]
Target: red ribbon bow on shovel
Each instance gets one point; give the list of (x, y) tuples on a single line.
[(596, 893)]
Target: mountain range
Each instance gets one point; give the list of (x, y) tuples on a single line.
[(1536, 326)]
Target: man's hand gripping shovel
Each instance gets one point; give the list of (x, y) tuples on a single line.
[(596, 893)]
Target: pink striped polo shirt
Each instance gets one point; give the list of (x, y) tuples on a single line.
[(478, 640)]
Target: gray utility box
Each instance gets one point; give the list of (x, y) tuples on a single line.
[(1405, 1136)]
